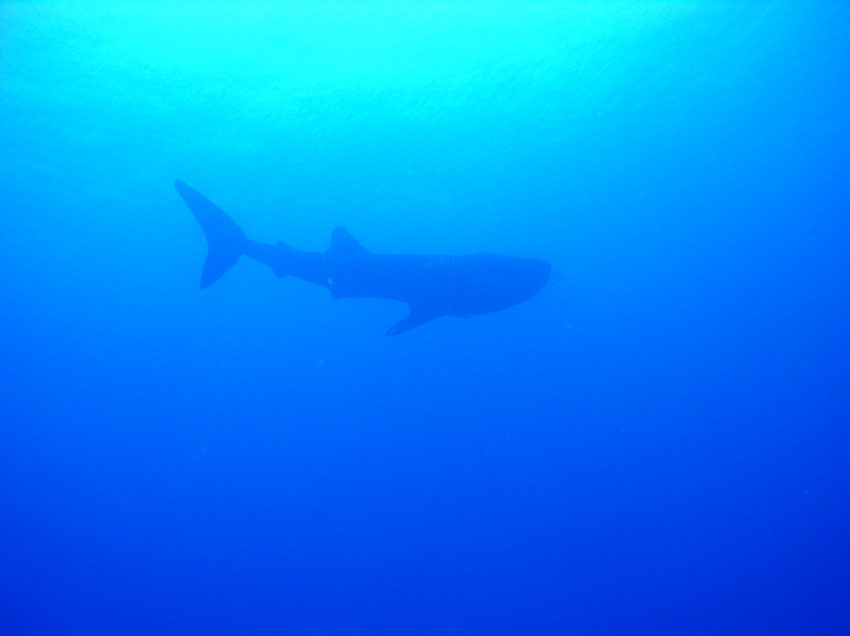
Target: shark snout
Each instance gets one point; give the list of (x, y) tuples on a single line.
[(542, 272)]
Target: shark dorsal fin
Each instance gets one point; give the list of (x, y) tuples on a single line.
[(343, 243)]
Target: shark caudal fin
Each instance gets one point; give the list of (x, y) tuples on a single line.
[(225, 241)]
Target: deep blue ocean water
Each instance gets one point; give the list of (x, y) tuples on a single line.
[(656, 443)]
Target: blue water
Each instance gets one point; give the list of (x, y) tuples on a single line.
[(657, 443)]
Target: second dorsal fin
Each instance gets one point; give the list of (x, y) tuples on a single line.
[(343, 243)]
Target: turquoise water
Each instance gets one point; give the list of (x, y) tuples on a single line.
[(656, 443)]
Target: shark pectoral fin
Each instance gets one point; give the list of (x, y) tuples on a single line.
[(416, 317)]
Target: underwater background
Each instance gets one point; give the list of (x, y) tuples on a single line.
[(656, 443)]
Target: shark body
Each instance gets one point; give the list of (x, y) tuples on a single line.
[(432, 285)]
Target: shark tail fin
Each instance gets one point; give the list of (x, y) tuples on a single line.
[(225, 241)]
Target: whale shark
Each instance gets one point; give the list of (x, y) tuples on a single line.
[(431, 285)]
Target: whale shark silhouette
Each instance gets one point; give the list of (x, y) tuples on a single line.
[(432, 285)]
